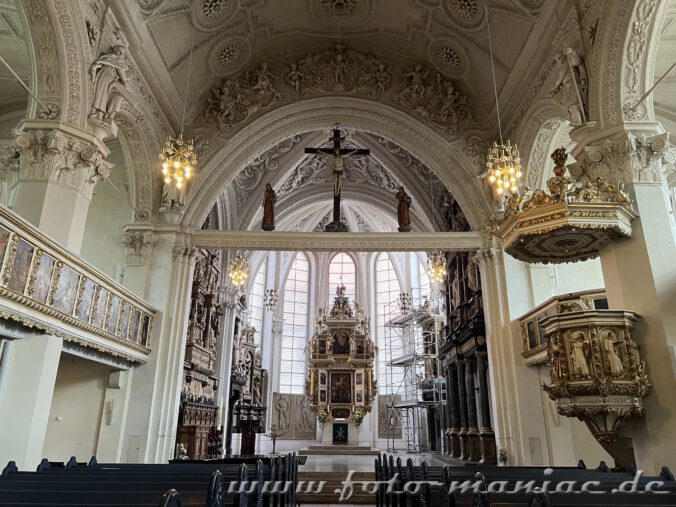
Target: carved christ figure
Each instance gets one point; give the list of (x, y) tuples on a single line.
[(338, 169), (109, 76)]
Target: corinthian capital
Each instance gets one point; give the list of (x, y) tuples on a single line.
[(51, 152), (626, 157)]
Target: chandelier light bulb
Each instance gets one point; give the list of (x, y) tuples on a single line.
[(504, 167)]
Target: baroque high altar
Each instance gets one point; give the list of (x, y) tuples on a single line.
[(340, 384)]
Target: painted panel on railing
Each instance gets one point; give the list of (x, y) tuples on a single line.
[(51, 280)]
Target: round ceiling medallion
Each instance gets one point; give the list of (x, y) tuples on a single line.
[(209, 14), (466, 13), (228, 56), (340, 12), (449, 57)]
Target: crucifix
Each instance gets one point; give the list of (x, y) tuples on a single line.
[(338, 155)]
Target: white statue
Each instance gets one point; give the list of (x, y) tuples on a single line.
[(109, 76), (570, 86)]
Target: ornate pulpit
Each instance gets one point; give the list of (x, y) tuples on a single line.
[(340, 384)]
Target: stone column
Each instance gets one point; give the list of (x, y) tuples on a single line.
[(58, 169), (472, 426), (640, 275), (30, 365), (486, 435), (454, 408), (462, 401)]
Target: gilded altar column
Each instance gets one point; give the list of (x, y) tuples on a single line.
[(640, 276), (486, 434), (58, 170), (454, 410), (462, 401), (472, 427)]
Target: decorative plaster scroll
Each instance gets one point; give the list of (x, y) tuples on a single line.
[(638, 40), (358, 242), (431, 97), (74, 78)]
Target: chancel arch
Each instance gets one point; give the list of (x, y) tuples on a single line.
[(448, 163)]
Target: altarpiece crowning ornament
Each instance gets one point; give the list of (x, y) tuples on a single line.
[(340, 383), (567, 224)]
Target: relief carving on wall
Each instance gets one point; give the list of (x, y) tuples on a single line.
[(292, 416), (430, 96)]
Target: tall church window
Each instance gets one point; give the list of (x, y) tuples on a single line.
[(256, 302), (388, 339), (420, 280), (342, 268), (295, 330)]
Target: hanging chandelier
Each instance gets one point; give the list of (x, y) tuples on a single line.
[(436, 266), (178, 155), (179, 160), (239, 270), (271, 298), (404, 302), (503, 162), (504, 167)]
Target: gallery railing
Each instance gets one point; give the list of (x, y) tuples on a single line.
[(59, 293)]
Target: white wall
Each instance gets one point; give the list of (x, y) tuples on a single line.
[(109, 211), (549, 280), (75, 415)]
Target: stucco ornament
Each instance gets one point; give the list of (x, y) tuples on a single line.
[(571, 86), (429, 96)]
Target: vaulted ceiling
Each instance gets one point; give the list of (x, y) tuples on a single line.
[(232, 36), (13, 41)]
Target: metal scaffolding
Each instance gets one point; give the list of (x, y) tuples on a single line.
[(411, 343)]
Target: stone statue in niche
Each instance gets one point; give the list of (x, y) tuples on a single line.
[(580, 365), (269, 208), (402, 210), (612, 357), (109, 76), (571, 85)]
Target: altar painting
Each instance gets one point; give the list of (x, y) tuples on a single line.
[(341, 387)]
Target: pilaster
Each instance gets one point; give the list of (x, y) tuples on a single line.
[(58, 169), (30, 366), (472, 429), (151, 426), (640, 275)]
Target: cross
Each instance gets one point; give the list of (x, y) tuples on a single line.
[(338, 155)]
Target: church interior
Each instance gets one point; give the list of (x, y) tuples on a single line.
[(402, 242)]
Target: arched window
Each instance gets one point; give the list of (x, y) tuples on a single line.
[(388, 339), (295, 331), (342, 267), (420, 280), (256, 302)]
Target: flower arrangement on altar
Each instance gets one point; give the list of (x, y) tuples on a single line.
[(322, 417), (358, 417)]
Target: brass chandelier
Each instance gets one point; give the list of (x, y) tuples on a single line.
[(238, 270), (179, 160), (178, 155), (436, 266), (503, 161)]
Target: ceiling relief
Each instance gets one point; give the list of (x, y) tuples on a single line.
[(428, 95)]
